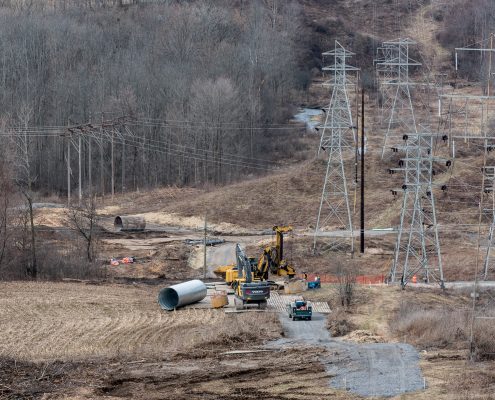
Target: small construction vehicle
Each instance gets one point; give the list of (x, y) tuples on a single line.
[(248, 289), (271, 261), (300, 309), (316, 284)]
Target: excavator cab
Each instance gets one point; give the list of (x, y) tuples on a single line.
[(248, 289)]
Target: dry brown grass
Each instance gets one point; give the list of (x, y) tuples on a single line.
[(439, 328), (45, 321), (445, 328)]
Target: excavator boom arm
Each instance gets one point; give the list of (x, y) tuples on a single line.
[(243, 264), (272, 259)]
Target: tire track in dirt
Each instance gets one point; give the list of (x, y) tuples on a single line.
[(63, 320)]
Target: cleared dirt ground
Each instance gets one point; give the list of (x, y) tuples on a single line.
[(72, 321), (80, 341)]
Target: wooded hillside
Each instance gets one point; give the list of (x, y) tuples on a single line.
[(208, 83)]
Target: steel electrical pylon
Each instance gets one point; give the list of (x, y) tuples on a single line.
[(488, 262), (393, 67), (385, 73), (338, 135), (417, 251), (338, 116), (488, 188)]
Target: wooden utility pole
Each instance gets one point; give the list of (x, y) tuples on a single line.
[(357, 137), (90, 178), (68, 169), (362, 171), (79, 151), (204, 255), (102, 169), (356, 145), (490, 66), (123, 165), (90, 155), (113, 168)]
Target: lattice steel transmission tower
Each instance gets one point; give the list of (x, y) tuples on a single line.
[(468, 108), (417, 251), (397, 107), (385, 73), (338, 116), (488, 183), (338, 136)]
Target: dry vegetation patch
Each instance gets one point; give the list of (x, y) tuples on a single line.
[(45, 321), (435, 321), (438, 328), (445, 328), (338, 323)]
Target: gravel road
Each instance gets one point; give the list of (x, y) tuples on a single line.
[(377, 369), (223, 254)]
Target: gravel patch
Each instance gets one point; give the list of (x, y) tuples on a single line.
[(371, 369)]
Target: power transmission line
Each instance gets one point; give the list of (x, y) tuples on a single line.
[(338, 136)]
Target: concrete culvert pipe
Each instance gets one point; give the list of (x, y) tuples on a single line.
[(181, 294), (129, 223)]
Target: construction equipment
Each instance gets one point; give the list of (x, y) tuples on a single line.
[(300, 309), (271, 261), (247, 288), (316, 284)]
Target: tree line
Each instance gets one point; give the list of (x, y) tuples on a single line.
[(209, 83), (469, 23), (201, 92)]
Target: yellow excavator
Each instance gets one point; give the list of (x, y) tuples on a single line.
[(271, 261), (248, 289)]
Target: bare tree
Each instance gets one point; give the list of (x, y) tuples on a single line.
[(60, 67), (6, 225), (345, 287), (24, 181), (84, 220)]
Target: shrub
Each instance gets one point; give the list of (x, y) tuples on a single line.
[(338, 323)]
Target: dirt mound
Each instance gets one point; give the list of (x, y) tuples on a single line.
[(363, 336)]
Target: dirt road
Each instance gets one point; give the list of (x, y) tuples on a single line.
[(378, 369), (223, 254)]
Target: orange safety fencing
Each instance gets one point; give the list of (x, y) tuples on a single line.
[(360, 279)]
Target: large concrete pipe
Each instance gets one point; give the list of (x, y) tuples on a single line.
[(181, 294), (129, 223)]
